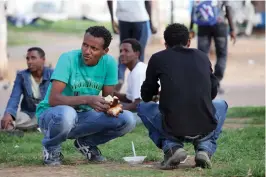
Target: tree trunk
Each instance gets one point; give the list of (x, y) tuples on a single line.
[(3, 42)]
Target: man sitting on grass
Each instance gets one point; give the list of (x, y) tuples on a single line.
[(130, 51), (32, 83), (73, 108), (186, 112)]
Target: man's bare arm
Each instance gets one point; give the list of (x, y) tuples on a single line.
[(108, 90), (110, 7), (56, 97), (132, 106), (122, 97)]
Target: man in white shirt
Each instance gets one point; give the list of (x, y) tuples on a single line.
[(134, 21), (130, 50)]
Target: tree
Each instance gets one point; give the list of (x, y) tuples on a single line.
[(3, 41)]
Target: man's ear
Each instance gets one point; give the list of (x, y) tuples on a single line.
[(166, 46), (188, 43), (106, 50), (138, 54)]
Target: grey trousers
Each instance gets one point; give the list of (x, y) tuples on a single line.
[(23, 121)]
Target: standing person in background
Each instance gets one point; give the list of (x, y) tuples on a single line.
[(134, 21), (210, 17)]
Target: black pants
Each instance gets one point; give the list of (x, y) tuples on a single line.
[(219, 33)]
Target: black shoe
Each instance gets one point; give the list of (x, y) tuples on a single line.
[(92, 153), (52, 158), (203, 160), (173, 157)]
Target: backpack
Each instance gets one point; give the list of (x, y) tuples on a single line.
[(206, 13)]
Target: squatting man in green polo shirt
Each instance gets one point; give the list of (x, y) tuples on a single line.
[(72, 107)]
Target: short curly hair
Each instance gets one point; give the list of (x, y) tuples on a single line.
[(101, 31), (38, 49), (134, 43), (176, 34)]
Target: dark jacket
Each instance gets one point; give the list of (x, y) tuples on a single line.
[(187, 89)]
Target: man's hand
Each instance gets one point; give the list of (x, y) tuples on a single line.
[(233, 36), (153, 29), (7, 122), (98, 103), (115, 27), (156, 98)]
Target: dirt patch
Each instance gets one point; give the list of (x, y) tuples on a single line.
[(233, 126), (236, 123), (66, 171), (239, 122), (189, 163), (70, 171)]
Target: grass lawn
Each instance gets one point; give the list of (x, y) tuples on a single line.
[(64, 26), (240, 152), (20, 36)]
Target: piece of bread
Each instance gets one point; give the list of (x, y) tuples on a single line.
[(115, 111), (113, 101), (115, 106)]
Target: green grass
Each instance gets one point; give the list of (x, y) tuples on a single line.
[(256, 113), (246, 112), (64, 26), (18, 38), (240, 151), (22, 36)]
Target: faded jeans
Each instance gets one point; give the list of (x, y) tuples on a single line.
[(60, 123), (152, 119)]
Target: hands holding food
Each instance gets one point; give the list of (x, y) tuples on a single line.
[(115, 106)]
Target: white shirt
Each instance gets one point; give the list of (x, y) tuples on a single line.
[(35, 88), (134, 81), (131, 11)]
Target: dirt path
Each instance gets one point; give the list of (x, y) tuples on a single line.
[(66, 171), (89, 169)]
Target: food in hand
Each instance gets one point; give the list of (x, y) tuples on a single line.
[(113, 101), (115, 111), (115, 106)]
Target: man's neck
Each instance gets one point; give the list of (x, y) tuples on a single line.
[(132, 65), (37, 74), (178, 46)]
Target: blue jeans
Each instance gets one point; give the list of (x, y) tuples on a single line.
[(137, 30), (60, 123), (152, 119)]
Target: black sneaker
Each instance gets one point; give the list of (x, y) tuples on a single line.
[(203, 160), (92, 153), (173, 157), (52, 158)]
